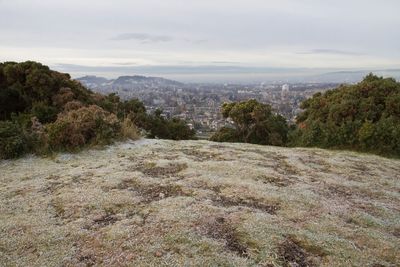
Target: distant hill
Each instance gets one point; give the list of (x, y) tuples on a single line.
[(352, 76), (135, 82)]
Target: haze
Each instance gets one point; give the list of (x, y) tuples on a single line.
[(167, 37)]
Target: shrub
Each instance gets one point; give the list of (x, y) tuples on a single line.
[(13, 142), (44, 112), (179, 130), (364, 116), (89, 125), (72, 105), (11, 102), (254, 123), (129, 130), (159, 127), (225, 134), (63, 96)]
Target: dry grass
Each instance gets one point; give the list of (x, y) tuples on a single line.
[(129, 130), (197, 203)]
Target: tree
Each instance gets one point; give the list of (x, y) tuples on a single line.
[(254, 123)]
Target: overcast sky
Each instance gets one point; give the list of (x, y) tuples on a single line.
[(245, 33)]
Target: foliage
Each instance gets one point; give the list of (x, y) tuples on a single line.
[(13, 142), (90, 125), (31, 87), (364, 116), (225, 134), (44, 112), (159, 127), (254, 123), (129, 129), (41, 109), (11, 101)]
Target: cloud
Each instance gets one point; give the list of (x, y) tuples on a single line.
[(225, 62), (124, 63), (196, 41), (331, 52), (143, 37)]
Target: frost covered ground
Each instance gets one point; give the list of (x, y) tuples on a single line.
[(198, 203)]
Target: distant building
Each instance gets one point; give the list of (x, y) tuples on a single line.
[(285, 91)]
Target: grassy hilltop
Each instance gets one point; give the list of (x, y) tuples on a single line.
[(198, 203)]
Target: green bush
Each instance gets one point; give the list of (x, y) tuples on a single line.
[(225, 134), (44, 112), (159, 127), (13, 142), (364, 117), (254, 122)]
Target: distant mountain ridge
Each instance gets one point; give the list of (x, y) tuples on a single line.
[(127, 82)]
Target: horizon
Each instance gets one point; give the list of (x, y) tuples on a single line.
[(231, 74)]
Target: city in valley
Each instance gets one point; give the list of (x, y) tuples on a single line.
[(199, 103)]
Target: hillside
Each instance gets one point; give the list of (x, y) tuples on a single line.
[(134, 82), (198, 203)]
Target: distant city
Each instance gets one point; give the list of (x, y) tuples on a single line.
[(199, 104)]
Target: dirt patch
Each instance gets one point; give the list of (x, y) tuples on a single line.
[(156, 192), (216, 188), (128, 183), (105, 220), (153, 170), (339, 190), (221, 229), (51, 187), (198, 155), (283, 167), (87, 260), (276, 181), (315, 163), (250, 203), (350, 193), (58, 206), (291, 254), (152, 192), (359, 167), (396, 232)]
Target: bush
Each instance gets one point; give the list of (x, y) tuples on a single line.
[(225, 134), (159, 127), (13, 141), (129, 130), (72, 105), (364, 117), (89, 125), (44, 112), (254, 122)]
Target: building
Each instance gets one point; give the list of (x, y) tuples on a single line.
[(285, 91)]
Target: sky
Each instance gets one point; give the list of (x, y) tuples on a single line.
[(152, 36)]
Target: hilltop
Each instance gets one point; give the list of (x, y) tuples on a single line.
[(199, 203)]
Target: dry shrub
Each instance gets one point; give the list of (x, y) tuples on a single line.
[(72, 105), (129, 130), (63, 96), (38, 137), (86, 125)]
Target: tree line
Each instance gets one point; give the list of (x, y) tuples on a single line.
[(42, 111)]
